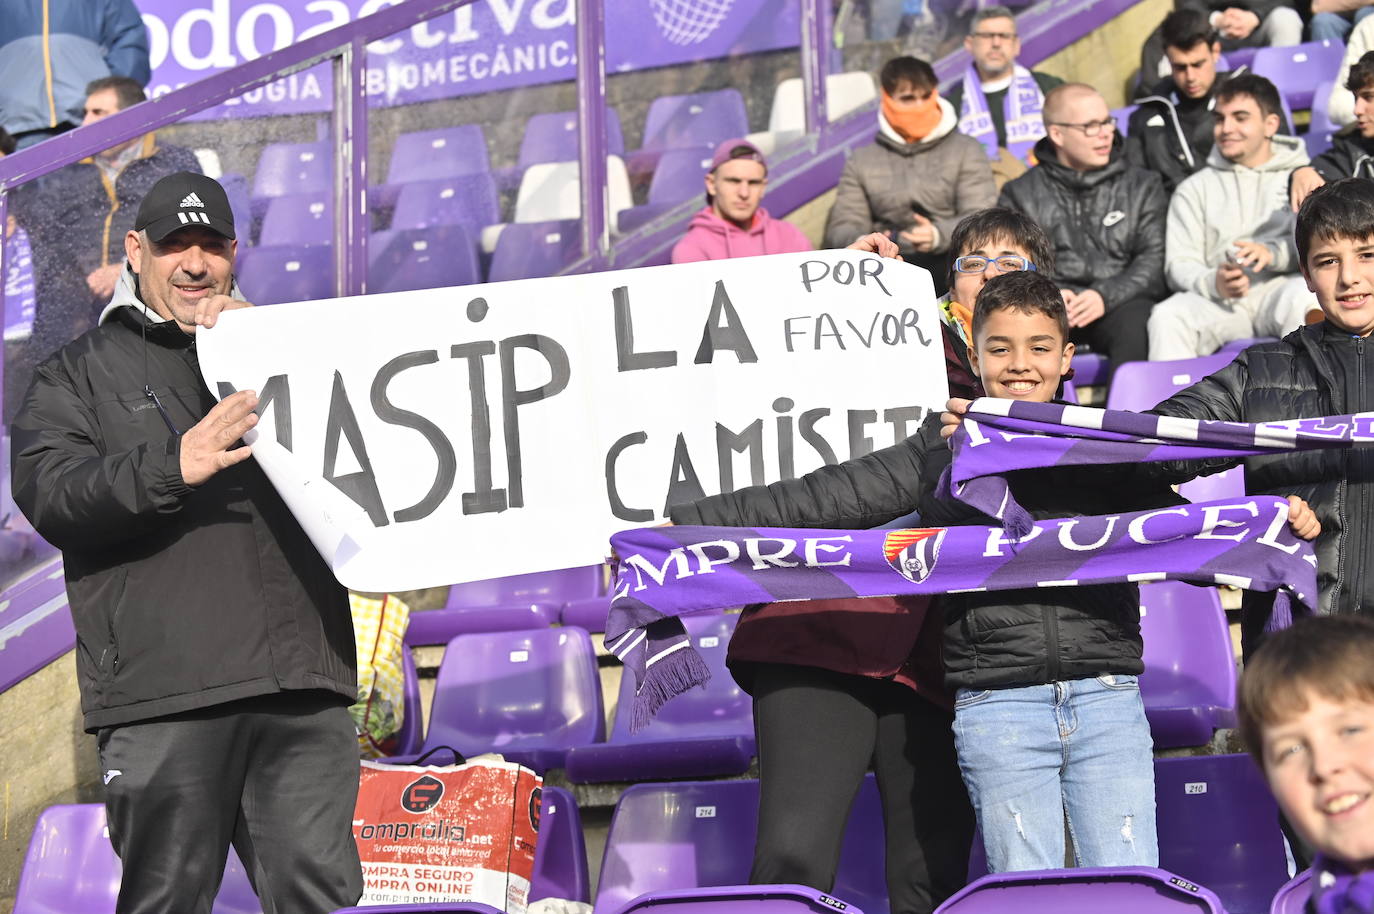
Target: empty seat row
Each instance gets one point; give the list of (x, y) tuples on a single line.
[(403, 260), (534, 696), (1218, 829), (71, 866)]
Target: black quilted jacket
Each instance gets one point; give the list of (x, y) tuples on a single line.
[(1317, 370), (1107, 225)]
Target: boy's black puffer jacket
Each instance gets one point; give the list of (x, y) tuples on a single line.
[(1316, 370)]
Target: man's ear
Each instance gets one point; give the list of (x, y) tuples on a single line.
[(1271, 125), (133, 249)]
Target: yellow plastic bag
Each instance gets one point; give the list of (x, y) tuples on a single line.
[(379, 627)]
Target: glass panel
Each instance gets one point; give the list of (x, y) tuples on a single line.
[(472, 148), (868, 33), (686, 75), (272, 150)]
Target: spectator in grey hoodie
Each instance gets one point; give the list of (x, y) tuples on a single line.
[(1229, 241)]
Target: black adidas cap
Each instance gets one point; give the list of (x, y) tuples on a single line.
[(183, 199)]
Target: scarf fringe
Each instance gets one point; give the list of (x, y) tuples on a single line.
[(669, 677), (1281, 616)]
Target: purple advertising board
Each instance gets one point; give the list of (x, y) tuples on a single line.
[(485, 46)]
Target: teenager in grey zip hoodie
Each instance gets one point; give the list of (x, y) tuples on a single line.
[(1229, 240)]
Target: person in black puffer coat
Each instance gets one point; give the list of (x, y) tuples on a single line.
[(1106, 219)]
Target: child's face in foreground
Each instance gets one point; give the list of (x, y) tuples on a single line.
[(1021, 356), (1340, 272), (1320, 766)]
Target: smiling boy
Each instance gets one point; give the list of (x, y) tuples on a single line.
[(1307, 714)]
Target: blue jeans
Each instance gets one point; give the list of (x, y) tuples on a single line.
[(1033, 755), (1336, 26)]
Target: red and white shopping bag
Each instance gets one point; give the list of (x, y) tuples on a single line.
[(429, 833)]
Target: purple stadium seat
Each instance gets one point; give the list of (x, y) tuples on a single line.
[(530, 696), (686, 121), (236, 189), (1138, 889), (533, 250), (588, 612), (677, 177), (451, 907), (444, 152), (270, 275), (1295, 71), (1321, 130), (522, 601), (298, 219), (422, 258), (294, 168), (70, 866), (743, 899), (1189, 684), (469, 200), (1139, 386), (1090, 369), (705, 732), (1123, 117), (552, 137), (1292, 898), (560, 854), (1234, 60), (1219, 827), (697, 834)]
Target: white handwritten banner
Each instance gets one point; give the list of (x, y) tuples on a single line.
[(448, 435)]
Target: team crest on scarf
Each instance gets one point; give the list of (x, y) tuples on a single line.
[(913, 553)]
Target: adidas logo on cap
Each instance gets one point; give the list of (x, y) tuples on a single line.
[(192, 200)]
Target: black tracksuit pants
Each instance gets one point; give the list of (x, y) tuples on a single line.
[(817, 732), (276, 776)]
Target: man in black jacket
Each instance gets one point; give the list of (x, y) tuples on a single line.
[(1106, 219), (1171, 130), (215, 651), (1352, 151)]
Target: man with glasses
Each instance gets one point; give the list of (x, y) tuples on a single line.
[(1106, 219), (999, 102), (1229, 241)]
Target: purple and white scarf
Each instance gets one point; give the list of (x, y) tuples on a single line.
[(1022, 110), (998, 436), (668, 571), (1338, 890)]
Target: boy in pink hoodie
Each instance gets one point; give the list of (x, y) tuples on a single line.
[(733, 224)]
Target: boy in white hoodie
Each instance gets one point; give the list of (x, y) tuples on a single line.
[(1229, 241)]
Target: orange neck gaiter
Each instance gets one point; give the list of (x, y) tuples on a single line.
[(914, 123)]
